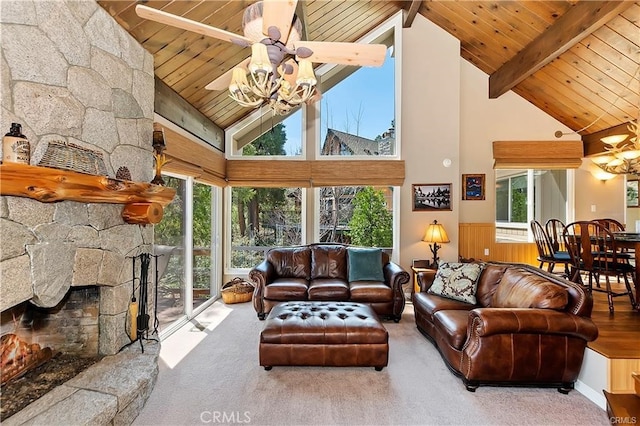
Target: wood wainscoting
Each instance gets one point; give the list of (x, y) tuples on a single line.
[(474, 238)]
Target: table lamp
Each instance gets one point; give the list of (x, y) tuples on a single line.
[(435, 234)]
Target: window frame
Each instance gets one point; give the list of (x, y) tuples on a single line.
[(392, 27), (230, 270), (530, 173)]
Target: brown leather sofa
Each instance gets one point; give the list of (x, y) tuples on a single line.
[(320, 272), (528, 327)]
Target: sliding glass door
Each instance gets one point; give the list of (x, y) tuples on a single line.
[(185, 243)]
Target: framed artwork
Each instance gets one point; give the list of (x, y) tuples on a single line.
[(632, 193), (431, 196), (473, 187)]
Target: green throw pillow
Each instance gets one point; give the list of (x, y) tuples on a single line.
[(365, 264), (458, 281)]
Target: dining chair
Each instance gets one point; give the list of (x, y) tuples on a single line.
[(554, 229), (615, 226), (611, 224), (546, 253), (593, 251)]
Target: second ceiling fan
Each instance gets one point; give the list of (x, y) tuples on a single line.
[(279, 71)]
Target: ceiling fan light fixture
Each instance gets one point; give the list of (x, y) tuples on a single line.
[(305, 73), (260, 62), (240, 90)]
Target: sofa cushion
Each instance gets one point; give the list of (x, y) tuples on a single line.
[(522, 289), (365, 264), (428, 304), (328, 289), (286, 289), (452, 325), (329, 261), (488, 282), (457, 281), (370, 292), (291, 262)]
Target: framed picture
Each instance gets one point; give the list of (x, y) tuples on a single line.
[(473, 187), (431, 196), (632, 193)]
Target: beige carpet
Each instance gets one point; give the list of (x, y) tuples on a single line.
[(209, 374)]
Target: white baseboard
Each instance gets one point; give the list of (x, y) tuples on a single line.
[(597, 397)]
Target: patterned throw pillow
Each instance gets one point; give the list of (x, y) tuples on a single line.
[(457, 281)]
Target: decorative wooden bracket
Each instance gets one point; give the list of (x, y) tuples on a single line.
[(50, 185)]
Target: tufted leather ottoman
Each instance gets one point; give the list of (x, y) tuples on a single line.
[(339, 334)]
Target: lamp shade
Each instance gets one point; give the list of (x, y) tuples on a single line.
[(435, 233)]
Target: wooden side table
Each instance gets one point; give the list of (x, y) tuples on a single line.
[(416, 270)]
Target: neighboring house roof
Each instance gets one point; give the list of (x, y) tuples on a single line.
[(358, 145)]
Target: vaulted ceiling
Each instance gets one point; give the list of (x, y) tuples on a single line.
[(577, 60)]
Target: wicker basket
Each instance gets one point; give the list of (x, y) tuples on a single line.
[(69, 156), (237, 291)]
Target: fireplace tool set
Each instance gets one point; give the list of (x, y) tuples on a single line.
[(139, 307)]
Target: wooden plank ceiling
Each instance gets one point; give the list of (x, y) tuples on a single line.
[(589, 81)]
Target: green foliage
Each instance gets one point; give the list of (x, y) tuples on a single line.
[(519, 199), (169, 230), (270, 143), (371, 223)]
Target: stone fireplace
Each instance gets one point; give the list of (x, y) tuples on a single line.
[(49, 249), (91, 85)]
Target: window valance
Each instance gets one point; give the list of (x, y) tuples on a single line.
[(537, 154)]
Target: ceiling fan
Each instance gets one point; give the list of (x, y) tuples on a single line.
[(279, 71)]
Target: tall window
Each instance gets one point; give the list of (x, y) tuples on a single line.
[(356, 215), (262, 218), (356, 120), (271, 136), (525, 195), (355, 117), (187, 258)]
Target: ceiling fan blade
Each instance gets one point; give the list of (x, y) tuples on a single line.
[(371, 55), (222, 82), (278, 13), (189, 25)]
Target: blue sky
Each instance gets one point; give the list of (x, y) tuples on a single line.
[(368, 93)]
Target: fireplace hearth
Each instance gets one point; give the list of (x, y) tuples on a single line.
[(20, 391), (111, 391)]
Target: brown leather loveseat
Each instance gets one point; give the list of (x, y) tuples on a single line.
[(327, 272), (526, 327)]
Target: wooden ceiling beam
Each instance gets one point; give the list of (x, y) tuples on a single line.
[(412, 11), (579, 21)]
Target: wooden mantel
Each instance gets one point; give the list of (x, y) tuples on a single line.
[(49, 185)]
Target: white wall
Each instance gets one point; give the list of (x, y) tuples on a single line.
[(430, 131)]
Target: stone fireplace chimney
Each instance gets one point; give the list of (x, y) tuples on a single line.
[(90, 84)]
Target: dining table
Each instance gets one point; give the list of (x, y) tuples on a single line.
[(631, 241)]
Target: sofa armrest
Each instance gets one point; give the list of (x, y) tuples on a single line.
[(395, 276), (490, 321), (425, 279), (261, 275)]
